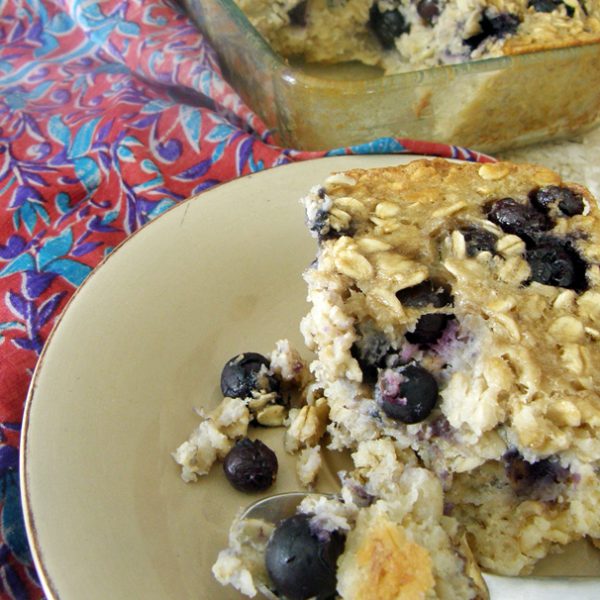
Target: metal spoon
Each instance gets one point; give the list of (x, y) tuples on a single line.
[(280, 506)]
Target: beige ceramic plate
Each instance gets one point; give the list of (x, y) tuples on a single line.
[(141, 344)]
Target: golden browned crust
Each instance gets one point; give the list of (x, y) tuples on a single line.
[(381, 562)]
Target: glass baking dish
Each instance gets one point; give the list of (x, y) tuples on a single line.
[(488, 105)]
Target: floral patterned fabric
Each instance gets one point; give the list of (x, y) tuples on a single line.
[(110, 113)]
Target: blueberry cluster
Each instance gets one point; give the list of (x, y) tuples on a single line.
[(553, 261), (523, 220), (562, 200), (387, 25), (250, 466), (404, 390), (493, 26), (430, 326)]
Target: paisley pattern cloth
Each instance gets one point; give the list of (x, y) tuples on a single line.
[(110, 113)]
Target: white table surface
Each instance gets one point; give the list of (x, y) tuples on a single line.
[(576, 159)]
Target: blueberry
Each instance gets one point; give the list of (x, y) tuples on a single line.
[(569, 202), (322, 227), (320, 224), (407, 394), (369, 350), (301, 564), (502, 24), (555, 263), (428, 329), (297, 14), (424, 294), (479, 240), (387, 25), (498, 26), (242, 374), (536, 479), (428, 10), (547, 6), (518, 218), (250, 466), (441, 428)]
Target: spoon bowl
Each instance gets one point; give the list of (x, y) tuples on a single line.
[(277, 507)]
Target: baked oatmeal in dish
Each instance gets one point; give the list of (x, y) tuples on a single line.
[(456, 315), (403, 35)]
